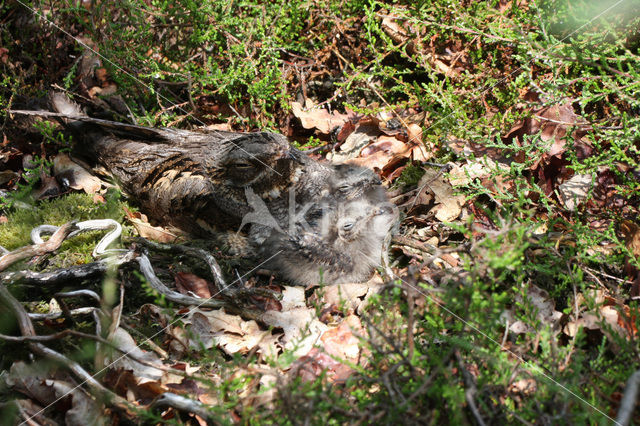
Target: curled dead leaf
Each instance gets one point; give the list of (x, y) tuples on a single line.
[(146, 230), (574, 191), (76, 176), (314, 117)]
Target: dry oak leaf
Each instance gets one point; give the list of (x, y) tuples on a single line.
[(353, 295), (631, 233), (463, 174), (448, 205), (338, 343), (556, 124), (143, 373), (302, 329), (387, 149), (230, 332), (413, 39), (314, 117), (362, 136), (79, 409)]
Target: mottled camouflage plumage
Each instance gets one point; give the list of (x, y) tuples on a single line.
[(319, 220)]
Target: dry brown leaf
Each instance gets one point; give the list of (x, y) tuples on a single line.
[(146, 230), (482, 168), (143, 373), (76, 175), (313, 117), (189, 284), (403, 33), (8, 176), (524, 386), (81, 410), (362, 136), (353, 296), (631, 233), (556, 124), (301, 327), (546, 313), (225, 127), (229, 332), (107, 90), (449, 206), (574, 191), (338, 344), (292, 297), (381, 152), (546, 309)]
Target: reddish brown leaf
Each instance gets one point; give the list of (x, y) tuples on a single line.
[(188, 283)]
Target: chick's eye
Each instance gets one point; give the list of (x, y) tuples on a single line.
[(348, 226), (344, 188)]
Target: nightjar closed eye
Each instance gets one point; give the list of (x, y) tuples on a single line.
[(242, 166)]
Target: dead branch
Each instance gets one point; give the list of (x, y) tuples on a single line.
[(65, 333), (172, 295), (64, 275), (216, 271), (55, 315), (48, 246), (181, 403), (230, 291)]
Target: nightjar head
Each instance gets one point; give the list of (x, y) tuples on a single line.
[(365, 219), (349, 182), (263, 161)]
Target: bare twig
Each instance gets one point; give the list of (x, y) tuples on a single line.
[(172, 295), (181, 403), (628, 403), (235, 293), (471, 390)]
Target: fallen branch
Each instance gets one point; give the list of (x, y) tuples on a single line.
[(237, 299), (64, 275), (214, 267), (45, 247), (124, 352), (172, 295)]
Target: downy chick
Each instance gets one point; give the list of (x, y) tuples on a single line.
[(343, 238)]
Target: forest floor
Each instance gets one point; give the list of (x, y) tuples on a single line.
[(507, 133)]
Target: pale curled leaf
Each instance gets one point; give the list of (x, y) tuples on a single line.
[(314, 117), (77, 177), (449, 205), (574, 191)]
